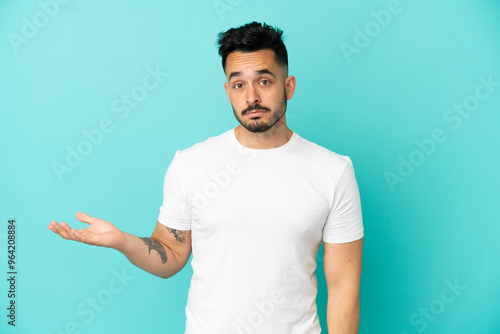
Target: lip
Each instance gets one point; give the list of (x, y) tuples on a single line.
[(255, 113)]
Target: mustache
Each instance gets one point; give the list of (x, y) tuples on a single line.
[(254, 107)]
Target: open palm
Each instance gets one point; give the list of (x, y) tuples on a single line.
[(99, 232)]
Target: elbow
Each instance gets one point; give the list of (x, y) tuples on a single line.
[(165, 274)]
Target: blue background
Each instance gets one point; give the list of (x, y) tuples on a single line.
[(428, 225)]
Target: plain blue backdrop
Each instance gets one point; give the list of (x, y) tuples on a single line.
[(410, 90)]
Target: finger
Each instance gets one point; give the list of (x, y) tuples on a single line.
[(52, 226), (67, 229), (84, 218), (59, 230)]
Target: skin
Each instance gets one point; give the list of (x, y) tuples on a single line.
[(342, 265), (253, 79)]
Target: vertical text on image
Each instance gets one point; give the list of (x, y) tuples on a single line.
[(12, 272)]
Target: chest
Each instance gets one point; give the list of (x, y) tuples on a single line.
[(261, 202)]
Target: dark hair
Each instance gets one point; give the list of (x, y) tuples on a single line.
[(252, 37)]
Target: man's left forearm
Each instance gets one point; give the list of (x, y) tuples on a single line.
[(343, 264), (343, 311)]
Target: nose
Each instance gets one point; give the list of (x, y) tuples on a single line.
[(252, 95)]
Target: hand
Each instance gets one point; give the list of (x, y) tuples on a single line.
[(98, 233)]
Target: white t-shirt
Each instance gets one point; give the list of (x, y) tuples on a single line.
[(257, 218)]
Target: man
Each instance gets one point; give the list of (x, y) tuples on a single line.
[(253, 205)]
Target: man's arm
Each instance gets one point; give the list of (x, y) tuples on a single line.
[(163, 254), (342, 263)]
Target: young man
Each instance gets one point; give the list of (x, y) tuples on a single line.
[(253, 205)]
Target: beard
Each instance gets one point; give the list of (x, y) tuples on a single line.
[(257, 125)]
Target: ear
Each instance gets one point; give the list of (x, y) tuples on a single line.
[(290, 84), (226, 87)]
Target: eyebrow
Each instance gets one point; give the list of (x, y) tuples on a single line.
[(259, 72)]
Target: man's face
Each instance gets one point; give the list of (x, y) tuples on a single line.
[(257, 89)]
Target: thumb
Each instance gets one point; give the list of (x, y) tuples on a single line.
[(84, 218)]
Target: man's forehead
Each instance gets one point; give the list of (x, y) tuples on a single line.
[(251, 61)]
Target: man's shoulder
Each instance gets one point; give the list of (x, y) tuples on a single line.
[(208, 143), (318, 153), (206, 148)]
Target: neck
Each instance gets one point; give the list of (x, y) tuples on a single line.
[(277, 136)]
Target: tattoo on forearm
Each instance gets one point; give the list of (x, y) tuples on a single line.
[(179, 235), (155, 244)]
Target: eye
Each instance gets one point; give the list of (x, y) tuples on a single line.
[(238, 86), (265, 82)]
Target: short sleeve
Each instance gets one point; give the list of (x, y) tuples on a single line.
[(175, 212), (345, 221)]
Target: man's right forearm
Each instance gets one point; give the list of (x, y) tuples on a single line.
[(150, 255)]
